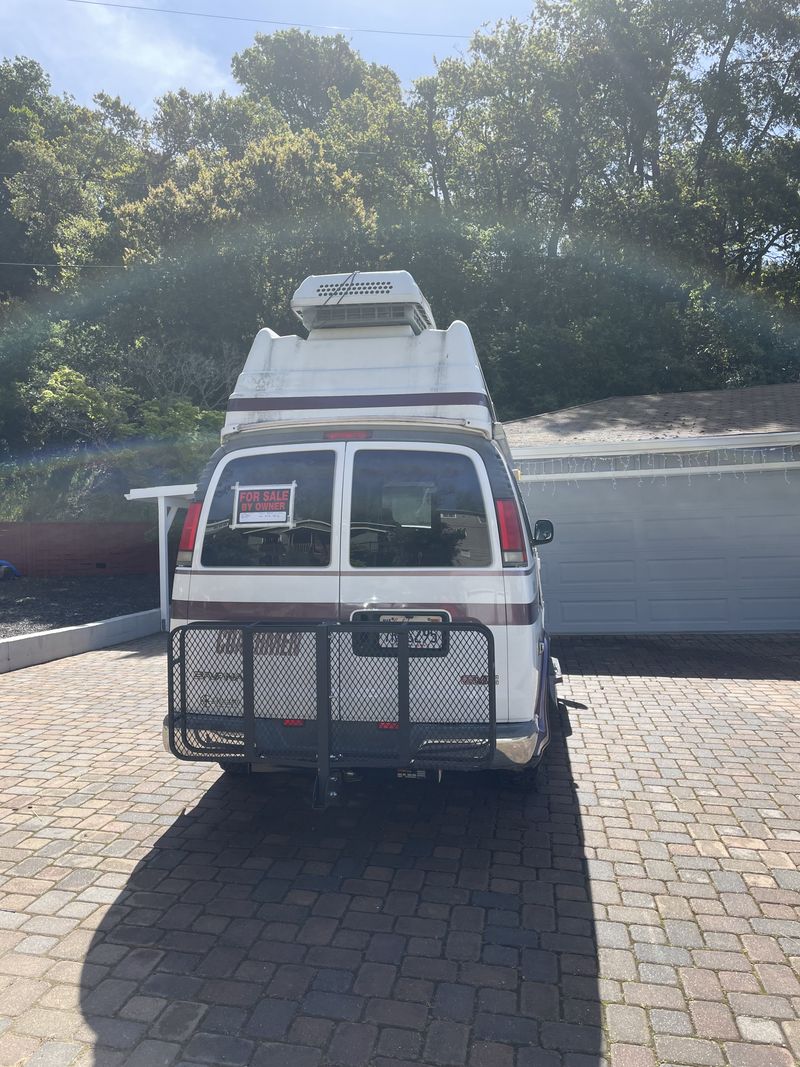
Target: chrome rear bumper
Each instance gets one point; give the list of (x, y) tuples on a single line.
[(519, 745), (510, 752), (515, 752)]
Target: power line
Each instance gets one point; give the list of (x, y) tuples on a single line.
[(269, 22)]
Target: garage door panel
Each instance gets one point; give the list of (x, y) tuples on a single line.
[(599, 591), (770, 548), (599, 572), (678, 569), (671, 528), (759, 568), (768, 587), (603, 612), (576, 527), (769, 609), (690, 611), (594, 554), (685, 590), (753, 527), (686, 548)]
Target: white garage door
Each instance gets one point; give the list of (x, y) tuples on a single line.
[(705, 552)]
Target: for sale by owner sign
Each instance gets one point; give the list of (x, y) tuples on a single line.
[(263, 505)]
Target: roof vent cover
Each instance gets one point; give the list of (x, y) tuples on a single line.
[(369, 298), (326, 289)]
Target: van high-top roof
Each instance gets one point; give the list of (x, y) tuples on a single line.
[(372, 353)]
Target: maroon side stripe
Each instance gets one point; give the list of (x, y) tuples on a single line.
[(381, 400), (488, 614), (228, 611), (249, 611)]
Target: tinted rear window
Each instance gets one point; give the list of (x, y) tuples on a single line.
[(302, 540), (417, 509)]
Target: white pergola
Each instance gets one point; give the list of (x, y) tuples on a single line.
[(170, 498)]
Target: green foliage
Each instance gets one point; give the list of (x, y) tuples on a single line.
[(609, 193), (299, 73), (77, 410), (115, 441), (376, 137), (185, 121), (73, 407)]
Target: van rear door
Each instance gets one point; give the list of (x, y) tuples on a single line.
[(269, 537), (420, 542)]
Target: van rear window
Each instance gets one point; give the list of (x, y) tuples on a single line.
[(417, 509), (272, 510)]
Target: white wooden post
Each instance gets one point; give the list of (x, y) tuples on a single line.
[(170, 499)]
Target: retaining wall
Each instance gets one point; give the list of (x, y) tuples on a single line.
[(25, 651)]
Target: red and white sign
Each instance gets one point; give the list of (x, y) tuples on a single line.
[(264, 505)]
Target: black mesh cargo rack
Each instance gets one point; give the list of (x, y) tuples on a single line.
[(333, 695)]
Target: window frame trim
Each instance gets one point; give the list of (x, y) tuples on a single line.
[(338, 450), (416, 446)]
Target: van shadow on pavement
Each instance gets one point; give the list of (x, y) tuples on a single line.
[(420, 923)]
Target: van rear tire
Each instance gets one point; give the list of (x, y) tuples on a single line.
[(524, 781), (235, 769)]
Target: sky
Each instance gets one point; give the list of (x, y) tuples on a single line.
[(138, 55)]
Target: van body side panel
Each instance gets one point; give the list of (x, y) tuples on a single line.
[(525, 659), (181, 584)]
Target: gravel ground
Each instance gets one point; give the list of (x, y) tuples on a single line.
[(28, 605)]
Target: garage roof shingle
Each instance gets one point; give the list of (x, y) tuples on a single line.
[(654, 417)]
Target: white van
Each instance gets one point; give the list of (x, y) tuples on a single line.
[(357, 581)]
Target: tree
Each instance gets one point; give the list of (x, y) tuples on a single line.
[(26, 109), (298, 73), (375, 135), (185, 122)]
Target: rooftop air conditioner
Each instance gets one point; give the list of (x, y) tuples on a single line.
[(368, 298)]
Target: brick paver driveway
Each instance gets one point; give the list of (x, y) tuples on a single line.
[(640, 909)]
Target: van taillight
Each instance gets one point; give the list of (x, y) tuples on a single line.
[(188, 535), (512, 541)]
